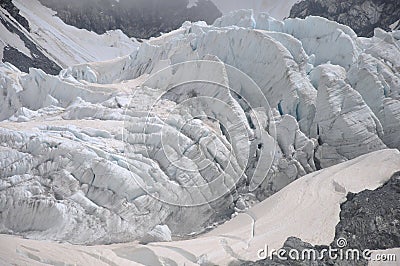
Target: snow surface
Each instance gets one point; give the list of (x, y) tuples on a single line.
[(268, 223), (278, 9), (64, 44), (198, 125)]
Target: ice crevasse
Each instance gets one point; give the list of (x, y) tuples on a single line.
[(194, 126)]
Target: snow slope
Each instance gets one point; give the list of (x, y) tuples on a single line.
[(268, 223), (61, 43), (69, 45)]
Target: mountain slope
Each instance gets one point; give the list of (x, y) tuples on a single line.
[(16, 46), (196, 125), (136, 18), (362, 16), (49, 44)]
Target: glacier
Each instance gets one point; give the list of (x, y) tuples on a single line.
[(241, 238), (58, 42), (192, 128)]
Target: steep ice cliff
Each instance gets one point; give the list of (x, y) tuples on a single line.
[(191, 128)]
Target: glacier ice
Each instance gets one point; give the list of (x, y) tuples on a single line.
[(322, 192), (192, 126)]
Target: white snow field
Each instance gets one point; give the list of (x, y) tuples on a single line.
[(64, 44), (268, 223), (191, 129)]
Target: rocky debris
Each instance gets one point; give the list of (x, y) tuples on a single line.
[(362, 16), (138, 18), (371, 219), (23, 62)]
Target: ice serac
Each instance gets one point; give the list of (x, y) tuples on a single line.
[(343, 119), (377, 79), (328, 42), (196, 125), (240, 239)]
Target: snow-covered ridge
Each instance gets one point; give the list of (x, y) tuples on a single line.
[(196, 125), (63, 44)]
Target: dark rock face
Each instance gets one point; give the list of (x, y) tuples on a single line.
[(362, 16), (23, 62), (293, 243), (14, 12), (371, 219), (136, 18)]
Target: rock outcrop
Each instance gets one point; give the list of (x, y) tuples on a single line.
[(14, 12), (362, 16), (370, 219)]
